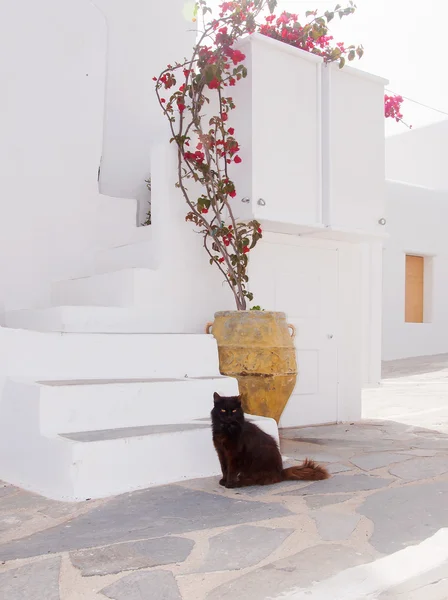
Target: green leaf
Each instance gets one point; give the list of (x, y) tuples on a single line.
[(335, 53), (272, 5), (341, 62), (351, 55)]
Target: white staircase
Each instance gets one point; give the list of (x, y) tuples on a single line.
[(96, 396), (89, 415), (136, 252)]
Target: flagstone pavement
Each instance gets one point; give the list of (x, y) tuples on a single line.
[(195, 540)]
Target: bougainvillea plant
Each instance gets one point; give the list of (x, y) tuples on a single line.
[(206, 144)]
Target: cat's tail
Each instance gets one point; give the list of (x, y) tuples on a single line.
[(307, 471)]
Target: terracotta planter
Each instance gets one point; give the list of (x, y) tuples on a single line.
[(258, 349)]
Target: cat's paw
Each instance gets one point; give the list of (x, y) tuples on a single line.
[(232, 484), (222, 482)]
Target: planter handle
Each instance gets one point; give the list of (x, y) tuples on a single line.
[(208, 327), (293, 330)]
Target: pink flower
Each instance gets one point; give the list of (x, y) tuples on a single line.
[(237, 57), (214, 84)]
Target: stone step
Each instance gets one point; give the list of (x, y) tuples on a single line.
[(105, 464), (89, 405), (85, 319), (124, 287), (78, 465), (33, 355), (137, 252)]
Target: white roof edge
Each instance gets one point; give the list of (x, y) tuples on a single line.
[(359, 73), (281, 46)]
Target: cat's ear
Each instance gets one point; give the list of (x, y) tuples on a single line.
[(239, 398), (216, 397)]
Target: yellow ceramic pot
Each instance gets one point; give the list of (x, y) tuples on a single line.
[(257, 348)]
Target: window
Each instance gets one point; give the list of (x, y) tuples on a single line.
[(418, 289)]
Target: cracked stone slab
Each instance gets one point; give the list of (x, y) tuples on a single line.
[(28, 503), (406, 515), (337, 468), (152, 585), (319, 457), (242, 547), (151, 513), (300, 570), (333, 526), (342, 483), (38, 581), (421, 468), (6, 490), (130, 556), (11, 521), (419, 452), (432, 443), (276, 488), (322, 433), (376, 460), (314, 502)]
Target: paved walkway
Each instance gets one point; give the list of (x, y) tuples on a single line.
[(414, 391), (373, 531)]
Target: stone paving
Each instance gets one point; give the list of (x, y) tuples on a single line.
[(198, 541)]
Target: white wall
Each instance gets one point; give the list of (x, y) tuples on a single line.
[(418, 156), (65, 69), (52, 67), (143, 37), (417, 224)]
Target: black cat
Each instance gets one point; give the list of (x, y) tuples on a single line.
[(248, 455)]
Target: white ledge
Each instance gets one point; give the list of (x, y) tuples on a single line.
[(280, 46)]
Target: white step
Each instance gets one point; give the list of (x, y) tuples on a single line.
[(143, 457), (84, 319), (137, 252), (91, 405), (79, 465), (43, 356), (119, 214), (125, 287)]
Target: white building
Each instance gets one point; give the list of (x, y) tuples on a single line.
[(104, 365), (415, 290)]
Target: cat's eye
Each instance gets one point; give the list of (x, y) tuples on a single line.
[(223, 410), (234, 410)]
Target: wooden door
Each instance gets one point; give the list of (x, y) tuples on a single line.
[(414, 289)]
